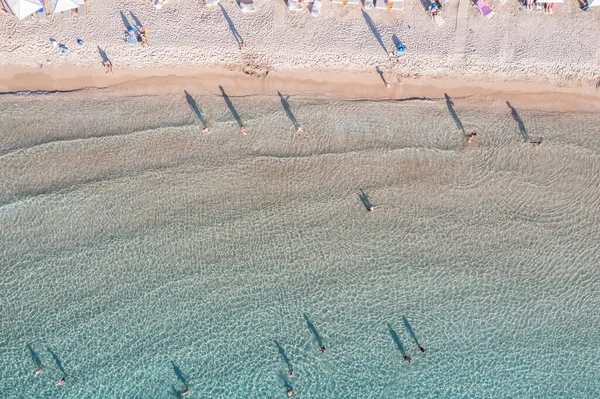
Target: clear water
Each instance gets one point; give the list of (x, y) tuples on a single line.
[(139, 253)]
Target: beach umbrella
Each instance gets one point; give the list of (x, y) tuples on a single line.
[(593, 3), (64, 5), (24, 8)]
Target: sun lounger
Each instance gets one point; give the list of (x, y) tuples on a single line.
[(502, 2), (485, 10), (82, 10), (354, 2), (41, 13), (368, 4), (67, 13), (159, 3), (211, 2), (397, 5), (337, 1), (294, 5), (315, 9), (380, 4), (247, 5)]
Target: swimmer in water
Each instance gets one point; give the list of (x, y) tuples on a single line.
[(244, 130), (471, 136), (407, 358), (185, 392), (61, 381), (206, 129), (323, 349), (37, 372), (535, 143), (420, 348), (290, 392), (291, 373)]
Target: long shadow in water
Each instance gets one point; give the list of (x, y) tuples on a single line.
[(283, 355), (519, 121), (285, 380), (58, 362), (410, 330), (35, 357), (231, 107), (102, 54), (125, 20), (396, 340), (374, 30), (135, 19), (236, 34), (288, 110), (313, 330), (450, 105), (364, 198), (179, 374), (194, 106)]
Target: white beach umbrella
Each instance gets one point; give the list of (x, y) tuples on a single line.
[(24, 8), (64, 5), (593, 3)]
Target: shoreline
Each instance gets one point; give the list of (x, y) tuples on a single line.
[(576, 97)]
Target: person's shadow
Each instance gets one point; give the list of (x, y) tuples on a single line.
[(195, 108), (286, 359), (135, 19), (396, 340), (180, 375), (58, 362), (380, 72), (450, 105), (288, 110), (35, 357), (364, 198), (313, 330), (236, 34), (102, 54), (236, 116), (410, 330), (374, 30), (519, 121)]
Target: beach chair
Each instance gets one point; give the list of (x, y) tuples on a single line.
[(82, 10), (368, 4), (485, 10), (295, 5), (247, 5), (353, 2), (380, 4), (397, 5), (41, 13), (66, 13), (337, 1), (210, 3), (315, 9)]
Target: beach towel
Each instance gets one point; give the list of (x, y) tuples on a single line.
[(485, 10)]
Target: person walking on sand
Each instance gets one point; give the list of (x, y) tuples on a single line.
[(471, 136), (107, 66)]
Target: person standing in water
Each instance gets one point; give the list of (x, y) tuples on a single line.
[(407, 358), (37, 372), (471, 136), (291, 373), (61, 381), (420, 348), (323, 349), (290, 392)]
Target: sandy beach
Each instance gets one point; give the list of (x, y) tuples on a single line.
[(335, 54)]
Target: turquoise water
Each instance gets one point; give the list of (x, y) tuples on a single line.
[(141, 255)]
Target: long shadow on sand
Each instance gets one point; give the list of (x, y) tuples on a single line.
[(374, 30), (236, 34)]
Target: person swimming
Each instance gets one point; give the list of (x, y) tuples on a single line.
[(407, 358), (420, 348), (471, 136), (535, 143), (323, 349), (37, 372), (290, 392), (185, 392), (291, 373), (61, 381)]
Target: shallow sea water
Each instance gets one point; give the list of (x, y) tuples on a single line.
[(141, 255)]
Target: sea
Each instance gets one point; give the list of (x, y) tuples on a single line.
[(142, 257)]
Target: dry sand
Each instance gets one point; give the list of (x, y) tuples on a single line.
[(516, 52)]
